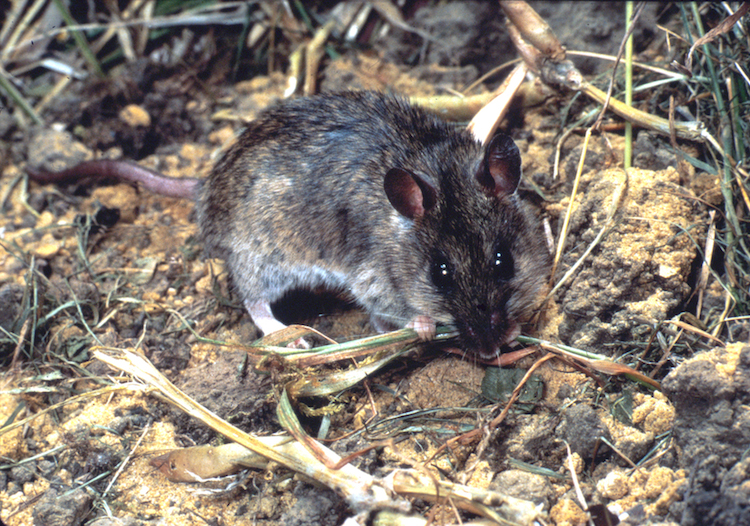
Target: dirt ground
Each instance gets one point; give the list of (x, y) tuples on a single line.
[(117, 267)]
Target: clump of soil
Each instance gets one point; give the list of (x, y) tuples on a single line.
[(641, 271)]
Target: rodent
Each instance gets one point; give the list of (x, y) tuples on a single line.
[(362, 192)]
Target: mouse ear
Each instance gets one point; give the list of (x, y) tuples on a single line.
[(500, 171), (408, 193)]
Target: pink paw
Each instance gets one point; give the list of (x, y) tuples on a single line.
[(299, 343), (425, 327)]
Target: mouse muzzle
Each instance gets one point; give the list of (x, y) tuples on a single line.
[(489, 338)]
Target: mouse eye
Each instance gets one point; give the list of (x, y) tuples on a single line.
[(502, 264), (442, 273)]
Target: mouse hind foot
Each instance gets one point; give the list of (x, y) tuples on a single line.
[(260, 312), (263, 318)]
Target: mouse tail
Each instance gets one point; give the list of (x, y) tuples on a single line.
[(105, 169)]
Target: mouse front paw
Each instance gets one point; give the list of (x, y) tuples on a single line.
[(299, 343), (424, 326)]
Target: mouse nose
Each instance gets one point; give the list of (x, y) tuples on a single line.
[(495, 320)]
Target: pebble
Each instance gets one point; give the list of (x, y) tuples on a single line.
[(151, 295), (135, 116), (48, 247), (614, 486)]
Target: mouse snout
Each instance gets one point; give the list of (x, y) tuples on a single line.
[(490, 331), (507, 330)]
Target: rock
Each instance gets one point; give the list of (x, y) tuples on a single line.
[(23, 474), (313, 507), (524, 485), (11, 296), (63, 508), (649, 152), (614, 486), (135, 116), (567, 513), (711, 395), (54, 150), (582, 428)]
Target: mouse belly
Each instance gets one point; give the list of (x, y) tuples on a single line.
[(262, 281)]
